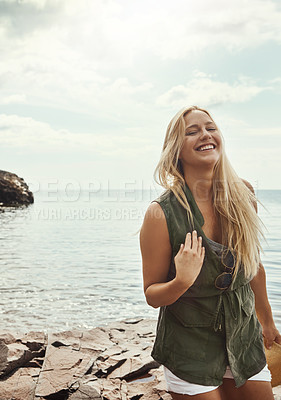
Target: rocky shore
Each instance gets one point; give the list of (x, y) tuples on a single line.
[(105, 363), (14, 192), (111, 362)]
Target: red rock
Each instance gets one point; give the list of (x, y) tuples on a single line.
[(7, 338), (111, 389), (96, 339), (133, 367), (13, 355), (84, 365), (85, 392), (61, 369), (20, 385), (35, 341)]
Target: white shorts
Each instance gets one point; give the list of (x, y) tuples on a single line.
[(177, 385)]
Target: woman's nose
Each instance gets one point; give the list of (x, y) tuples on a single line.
[(205, 133)]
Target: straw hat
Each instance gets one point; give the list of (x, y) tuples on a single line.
[(273, 358)]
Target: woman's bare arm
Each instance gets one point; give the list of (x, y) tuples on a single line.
[(156, 257), (263, 309), (262, 306)]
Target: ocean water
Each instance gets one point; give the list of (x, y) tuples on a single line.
[(72, 259)]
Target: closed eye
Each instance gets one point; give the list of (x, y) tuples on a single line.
[(194, 132)]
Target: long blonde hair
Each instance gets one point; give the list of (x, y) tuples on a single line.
[(233, 199)]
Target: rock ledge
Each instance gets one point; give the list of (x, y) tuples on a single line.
[(104, 363)]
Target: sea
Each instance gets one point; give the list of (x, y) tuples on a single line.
[(72, 259)]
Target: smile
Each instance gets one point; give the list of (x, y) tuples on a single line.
[(205, 147)]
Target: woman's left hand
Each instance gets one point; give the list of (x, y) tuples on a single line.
[(270, 334)]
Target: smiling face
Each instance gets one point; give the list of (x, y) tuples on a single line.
[(202, 144)]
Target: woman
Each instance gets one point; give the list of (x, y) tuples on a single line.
[(201, 265)]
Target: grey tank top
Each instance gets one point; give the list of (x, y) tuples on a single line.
[(218, 249)]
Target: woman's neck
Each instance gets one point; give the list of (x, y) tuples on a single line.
[(201, 186)]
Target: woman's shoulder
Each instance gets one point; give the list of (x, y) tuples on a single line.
[(157, 209), (253, 195), (154, 225), (249, 186), (167, 199), (165, 195), (154, 211)]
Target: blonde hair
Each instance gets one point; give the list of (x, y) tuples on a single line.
[(233, 200)]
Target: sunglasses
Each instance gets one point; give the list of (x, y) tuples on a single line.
[(224, 280)]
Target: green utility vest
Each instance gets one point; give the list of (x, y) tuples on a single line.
[(207, 328)]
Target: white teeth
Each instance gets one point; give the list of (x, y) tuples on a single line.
[(206, 147)]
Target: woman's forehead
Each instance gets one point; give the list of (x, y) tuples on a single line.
[(197, 116)]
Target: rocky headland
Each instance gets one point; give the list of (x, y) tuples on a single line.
[(14, 192), (105, 363)]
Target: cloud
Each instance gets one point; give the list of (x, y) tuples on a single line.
[(206, 91), (13, 99), (22, 17), (123, 30), (77, 55), (239, 131), (27, 133), (276, 80), (53, 77), (119, 64), (182, 29)]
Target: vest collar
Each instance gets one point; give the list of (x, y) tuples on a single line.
[(194, 208)]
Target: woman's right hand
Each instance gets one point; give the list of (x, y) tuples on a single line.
[(189, 260)]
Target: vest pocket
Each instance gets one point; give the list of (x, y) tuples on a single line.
[(188, 331), (190, 316), (248, 306), (249, 321)]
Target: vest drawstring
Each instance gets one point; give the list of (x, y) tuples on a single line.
[(219, 311)]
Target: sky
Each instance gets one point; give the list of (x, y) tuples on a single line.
[(88, 87)]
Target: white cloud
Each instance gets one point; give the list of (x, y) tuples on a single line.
[(120, 31), (74, 55), (68, 83), (108, 61), (25, 132), (36, 3), (124, 87), (13, 99), (22, 132), (182, 29), (242, 131), (206, 91), (276, 80), (22, 17)]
